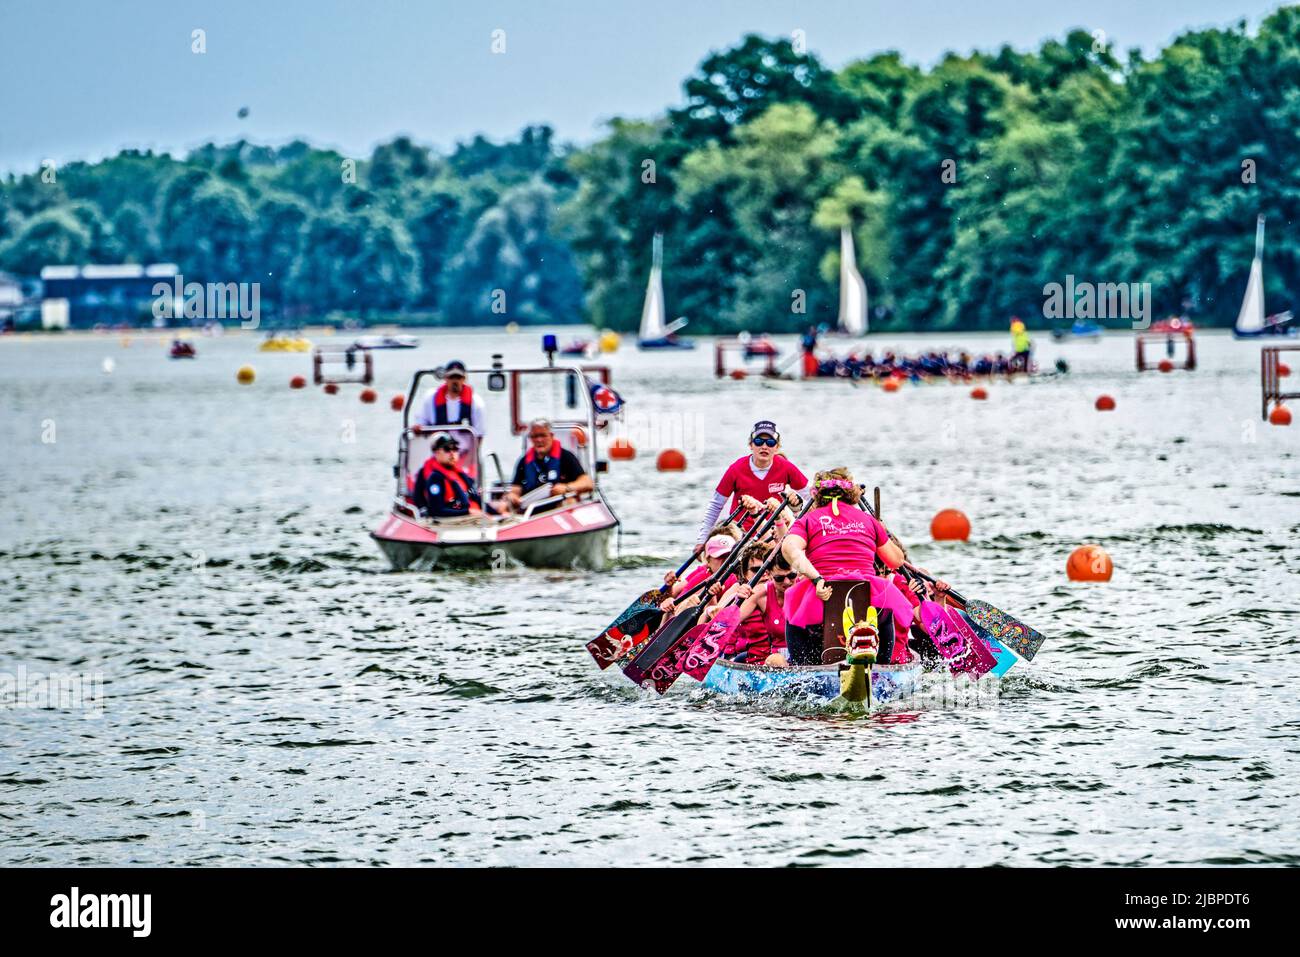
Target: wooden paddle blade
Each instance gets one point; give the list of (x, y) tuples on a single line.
[(955, 641), (710, 642), (661, 645), (1009, 630), (618, 642), (612, 643)]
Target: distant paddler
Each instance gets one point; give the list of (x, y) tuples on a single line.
[(837, 541), (453, 402), (1021, 345), (754, 480)]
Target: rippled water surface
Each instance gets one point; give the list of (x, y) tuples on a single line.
[(272, 693)]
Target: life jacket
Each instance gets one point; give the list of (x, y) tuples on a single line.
[(534, 477), (455, 485), (440, 416)]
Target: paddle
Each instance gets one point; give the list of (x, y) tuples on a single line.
[(623, 633), (655, 654), (705, 643), (1006, 629)]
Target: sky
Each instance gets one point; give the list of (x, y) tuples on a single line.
[(81, 80)]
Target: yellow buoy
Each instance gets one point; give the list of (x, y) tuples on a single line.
[(245, 375), (609, 341)]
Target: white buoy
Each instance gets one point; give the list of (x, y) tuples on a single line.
[(108, 365)]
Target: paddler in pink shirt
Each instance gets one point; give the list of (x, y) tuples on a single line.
[(837, 541), (754, 480)]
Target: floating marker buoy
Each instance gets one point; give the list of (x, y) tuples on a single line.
[(368, 396), (739, 374), (512, 327), (1280, 415), (979, 392), (297, 382), (331, 388), (1165, 366), (397, 403), (245, 375), (580, 436), (609, 341), (1089, 563), (108, 365), (671, 460), (890, 385), (1105, 403), (1283, 370), (950, 525), (621, 449)]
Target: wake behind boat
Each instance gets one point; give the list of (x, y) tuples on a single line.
[(543, 529)]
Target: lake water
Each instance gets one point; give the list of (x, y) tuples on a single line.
[(259, 688)]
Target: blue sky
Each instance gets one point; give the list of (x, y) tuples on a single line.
[(79, 80)]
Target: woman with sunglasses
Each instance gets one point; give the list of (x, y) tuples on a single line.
[(754, 480), (760, 637)]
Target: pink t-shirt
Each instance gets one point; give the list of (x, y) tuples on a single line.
[(840, 543), (739, 479)]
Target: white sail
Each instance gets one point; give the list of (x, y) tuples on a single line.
[(1251, 317), (853, 290), (652, 312)]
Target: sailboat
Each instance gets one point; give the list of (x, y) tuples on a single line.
[(1251, 322), (853, 290), (655, 333)]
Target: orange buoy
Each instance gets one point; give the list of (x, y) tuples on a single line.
[(621, 449), (369, 395), (1089, 563), (671, 460), (1283, 370), (1105, 403), (397, 403), (1280, 415), (1165, 366), (739, 374), (950, 525), (580, 436), (331, 388), (890, 385), (297, 382), (979, 392), (245, 375)]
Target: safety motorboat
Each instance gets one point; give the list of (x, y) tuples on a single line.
[(386, 342), (547, 531)]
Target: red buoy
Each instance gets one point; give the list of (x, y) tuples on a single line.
[(1105, 403), (739, 374), (890, 385), (1166, 366), (331, 388), (297, 382), (950, 525), (979, 392), (1089, 563), (1280, 415), (621, 449), (671, 460), (397, 403), (1283, 370), (369, 395)]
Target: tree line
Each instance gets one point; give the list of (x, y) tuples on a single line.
[(969, 186)]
